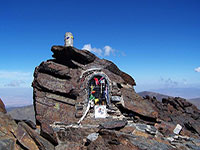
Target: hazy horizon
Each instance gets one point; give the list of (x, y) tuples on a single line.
[(16, 97)]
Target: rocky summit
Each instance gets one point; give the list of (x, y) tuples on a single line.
[(84, 102)]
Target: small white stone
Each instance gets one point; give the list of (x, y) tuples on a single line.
[(93, 136), (177, 129), (170, 139), (176, 136)]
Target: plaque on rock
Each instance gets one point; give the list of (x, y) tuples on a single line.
[(100, 111)]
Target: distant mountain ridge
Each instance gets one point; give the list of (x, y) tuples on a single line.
[(22, 113), (159, 97), (187, 93), (196, 102)]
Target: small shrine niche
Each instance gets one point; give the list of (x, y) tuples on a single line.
[(98, 94), (98, 90)]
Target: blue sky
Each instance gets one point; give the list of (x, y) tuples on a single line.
[(156, 41)]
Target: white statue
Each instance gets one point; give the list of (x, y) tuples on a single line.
[(68, 39)]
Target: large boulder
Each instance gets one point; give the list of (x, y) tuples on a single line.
[(61, 86)]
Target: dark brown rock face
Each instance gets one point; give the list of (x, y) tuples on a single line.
[(114, 124), (109, 140), (179, 111), (19, 136), (61, 84), (7, 127), (2, 107)]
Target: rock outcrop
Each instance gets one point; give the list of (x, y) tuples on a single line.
[(2, 107), (18, 135), (61, 92), (65, 113), (178, 111)]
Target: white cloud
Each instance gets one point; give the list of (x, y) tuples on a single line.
[(197, 69), (15, 83), (108, 50), (88, 47), (15, 75), (15, 79), (184, 81), (123, 54), (169, 82)]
